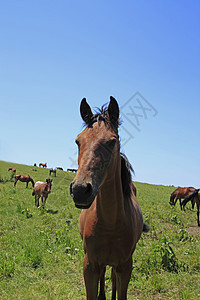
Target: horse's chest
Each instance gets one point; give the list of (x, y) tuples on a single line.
[(110, 248)]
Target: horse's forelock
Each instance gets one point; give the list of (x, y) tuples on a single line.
[(101, 114)]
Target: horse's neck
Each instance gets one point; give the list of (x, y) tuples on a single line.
[(110, 199)]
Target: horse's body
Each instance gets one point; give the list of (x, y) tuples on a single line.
[(42, 189), (111, 221), (44, 165), (72, 170), (59, 168), (181, 193), (23, 178), (52, 171), (194, 196), (12, 169)]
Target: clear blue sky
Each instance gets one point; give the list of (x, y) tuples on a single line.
[(54, 53)]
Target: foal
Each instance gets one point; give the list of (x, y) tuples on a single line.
[(111, 221), (42, 189)]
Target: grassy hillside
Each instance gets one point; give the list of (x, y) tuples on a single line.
[(41, 251)]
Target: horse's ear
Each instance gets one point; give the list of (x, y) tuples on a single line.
[(113, 112), (85, 111)]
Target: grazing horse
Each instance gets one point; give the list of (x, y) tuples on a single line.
[(23, 178), (72, 170), (111, 221), (12, 169), (194, 196), (44, 165), (181, 193), (42, 189), (59, 168), (52, 171)]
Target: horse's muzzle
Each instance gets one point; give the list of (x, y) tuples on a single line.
[(82, 194)]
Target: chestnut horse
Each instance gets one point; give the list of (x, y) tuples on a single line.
[(44, 165), (42, 189), (12, 169), (23, 178), (194, 196), (181, 193), (111, 221)]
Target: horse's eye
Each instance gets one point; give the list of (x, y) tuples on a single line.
[(111, 143)]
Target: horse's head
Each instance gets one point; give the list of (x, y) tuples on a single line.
[(98, 145), (171, 201), (49, 184)]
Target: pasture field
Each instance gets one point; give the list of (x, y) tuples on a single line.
[(41, 251)]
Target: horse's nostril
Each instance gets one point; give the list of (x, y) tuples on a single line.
[(70, 188), (88, 189)]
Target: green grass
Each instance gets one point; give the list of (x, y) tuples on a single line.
[(41, 252)]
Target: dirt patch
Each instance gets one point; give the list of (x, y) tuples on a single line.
[(194, 229)]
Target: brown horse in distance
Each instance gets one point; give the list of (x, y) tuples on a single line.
[(23, 178), (44, 165), (42, 189), (12, 169), (194, 196), (111, 221), (181, 193)]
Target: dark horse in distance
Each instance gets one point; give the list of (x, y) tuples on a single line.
[(194, 196), (23, 178), (111, 221), (52, 171)]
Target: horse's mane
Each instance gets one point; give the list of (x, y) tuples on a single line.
[(126, 177), (175, 190)]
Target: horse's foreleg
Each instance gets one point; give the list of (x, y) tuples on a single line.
[(37, 200), (26, 184), (180, 203), (102, 295), (123, 275), (113, 276), (15, 182), (42, 200), (193, 203), (45, 198), (198, 215), (91, 277)]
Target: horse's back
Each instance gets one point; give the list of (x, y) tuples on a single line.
[(39, 186)]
